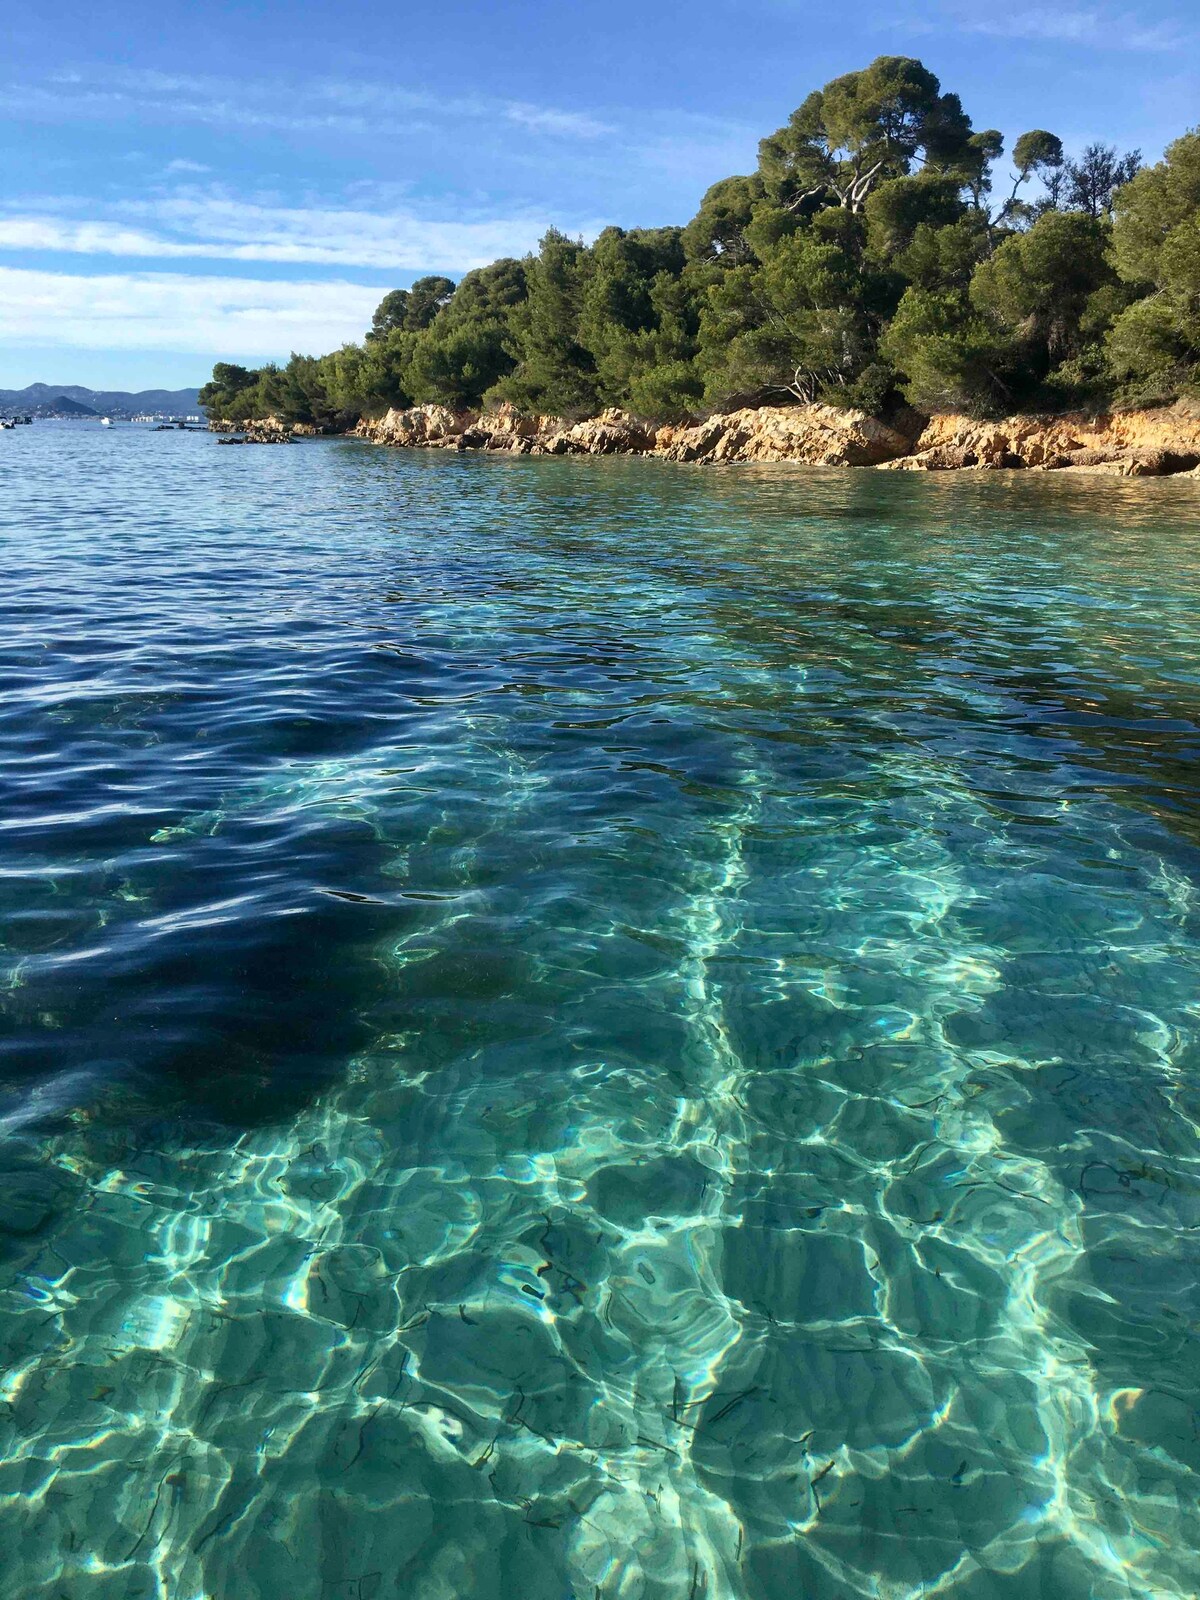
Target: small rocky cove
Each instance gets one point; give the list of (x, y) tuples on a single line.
[(1129, 444)]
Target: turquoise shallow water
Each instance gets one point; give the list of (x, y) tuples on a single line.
[(594, 1029)]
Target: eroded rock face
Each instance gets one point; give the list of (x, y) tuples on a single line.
[(266, 430), (1128, 444), (819, 435), (420, 425), (502, 429), (1122, 444), (611, 433)]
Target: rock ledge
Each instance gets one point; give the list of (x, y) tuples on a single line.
[(1126, 444), (818, 435)]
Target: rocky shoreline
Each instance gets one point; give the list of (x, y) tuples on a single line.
[(1122, 444), (1126, 444), (262, 430)]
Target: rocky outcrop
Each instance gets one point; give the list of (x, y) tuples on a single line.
[(611, 433), (1127, 444), (255, 438), (818, 435), (422, 425), (821, 436), (1122, 444), (265, 430)]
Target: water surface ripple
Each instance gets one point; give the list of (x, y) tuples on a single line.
[(594, 1029)]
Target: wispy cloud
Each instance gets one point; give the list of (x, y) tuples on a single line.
[(569, 124), (198, 226), (164, 311), (90, 270), (1080, 27), (331, 105), (1071, 27), (1096, 27)]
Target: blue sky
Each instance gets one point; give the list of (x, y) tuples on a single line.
[(185, 183)]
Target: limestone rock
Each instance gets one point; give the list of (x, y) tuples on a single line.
[(502, 429), (1161, 463), (611, 433), (1127, 444), (818, 435), (419, 425)]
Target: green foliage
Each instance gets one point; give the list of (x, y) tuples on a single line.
[(1154, 350), (797, 323), (1036, 154), (1039, 288), (389, 314), (634, 313), (863, 128), (425, 299), (718, 230), (983, 149), (228, 391), (948, 356), (900, 206), (1037, 151), (554, 370), (671, 391), (463, 353), (942, 258), (1092, 182), (1152, 206), (863, 260), (1154, 345)]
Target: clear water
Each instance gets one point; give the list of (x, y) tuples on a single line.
[(594, 1029)]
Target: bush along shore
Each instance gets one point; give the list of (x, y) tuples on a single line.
[(884, 259)]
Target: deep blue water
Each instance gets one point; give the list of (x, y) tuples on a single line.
[(594, 1029)]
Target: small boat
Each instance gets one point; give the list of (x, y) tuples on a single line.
[(106, 422)]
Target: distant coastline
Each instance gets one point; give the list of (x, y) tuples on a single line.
[(68, 401)]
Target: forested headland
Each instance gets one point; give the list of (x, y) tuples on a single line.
[(883, 252)]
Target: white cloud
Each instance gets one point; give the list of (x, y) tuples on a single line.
[(270, 105), (543, 119), (190, 226), (183, 165), (1093, 26), (166, 311), (1071, 27), (77, 238)]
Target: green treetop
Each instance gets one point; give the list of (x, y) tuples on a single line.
[(863, 128)]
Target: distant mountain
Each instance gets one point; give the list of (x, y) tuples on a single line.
[(67, 399), (66, 407)]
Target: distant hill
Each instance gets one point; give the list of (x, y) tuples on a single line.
[(66, 407), (71, 399)]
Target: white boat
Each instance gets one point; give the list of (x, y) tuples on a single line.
[(106, 422)]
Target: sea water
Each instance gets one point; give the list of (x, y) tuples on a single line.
[(594, 1028)]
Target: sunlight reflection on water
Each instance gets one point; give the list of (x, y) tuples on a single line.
[(586, 1028)]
